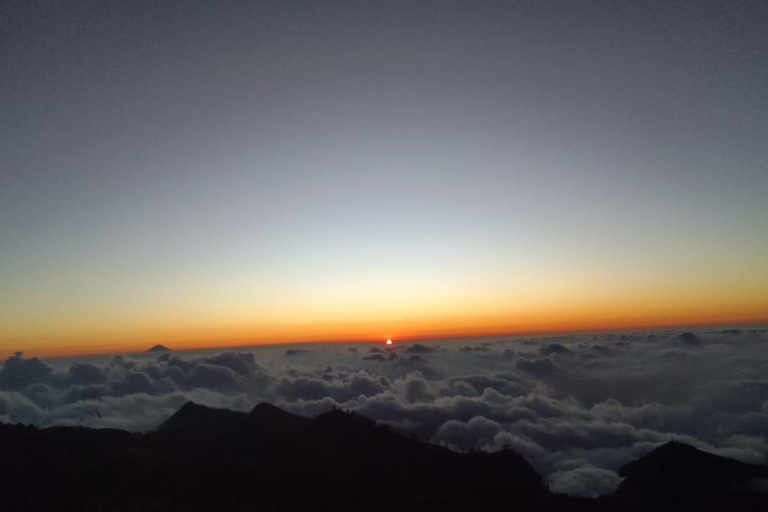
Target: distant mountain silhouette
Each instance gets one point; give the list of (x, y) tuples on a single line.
[(159, 348), (204, 459)]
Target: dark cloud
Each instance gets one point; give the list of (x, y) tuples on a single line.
[(85, 374), (294, 352), (601, 349), (689, 339), (18, 372), (554, 348), (535, 366), (140, 382), (469, 349), (416, 348), (92, 392), (122, 361), (382, 358)]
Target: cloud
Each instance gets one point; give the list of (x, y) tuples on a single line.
[(18, 372), (475, 432), (554, 348), (416, 348), (688, 338), (85, 374), (586, 481), (469, 349), (535, 366), (17, 408), (416, 388), (576, 407), (240, 363), (474, 385), (381, 358), (140, 382), (339, 386), (211, 376)]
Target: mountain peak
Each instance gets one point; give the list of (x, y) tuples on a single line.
[(682, 457), (190, 407), (676, 473), (265, 408), (270, 417), (159, 348), (199, 419)]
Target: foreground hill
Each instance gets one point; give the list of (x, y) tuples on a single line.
[(342, 460), (204, 459), (679, 477)]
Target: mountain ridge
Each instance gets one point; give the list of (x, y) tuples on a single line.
[(680, 477), (269, 458)]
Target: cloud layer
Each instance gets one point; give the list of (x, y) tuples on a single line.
[(577, 407)]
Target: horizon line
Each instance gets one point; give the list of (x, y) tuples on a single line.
[(190, 345)]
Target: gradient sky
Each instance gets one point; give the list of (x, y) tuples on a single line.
[(202, 173)]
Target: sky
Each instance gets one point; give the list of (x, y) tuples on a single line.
[(221, 173)]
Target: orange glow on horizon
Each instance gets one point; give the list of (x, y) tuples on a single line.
[(357, 332), (404, 317)]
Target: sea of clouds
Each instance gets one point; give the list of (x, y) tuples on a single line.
[(578, 407)]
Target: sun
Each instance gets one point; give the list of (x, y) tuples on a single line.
[(389, 343)]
